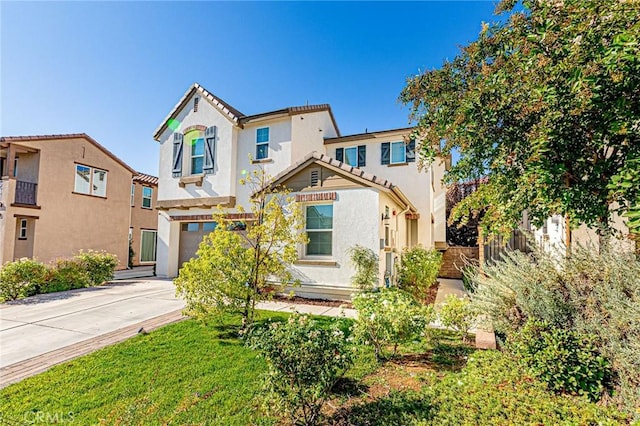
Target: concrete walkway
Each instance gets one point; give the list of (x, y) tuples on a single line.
[(485, 339)]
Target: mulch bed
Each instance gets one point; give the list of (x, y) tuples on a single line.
[(316, 302)]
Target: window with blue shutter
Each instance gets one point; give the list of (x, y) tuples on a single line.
[(209, 149), (385, 153), (177, 154), (353, 155), (411, 151), (362, 155)]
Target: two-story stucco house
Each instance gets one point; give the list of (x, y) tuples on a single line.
[(60, 194), (144, 219), (361, 189)]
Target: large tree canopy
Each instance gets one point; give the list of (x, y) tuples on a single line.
[(544, 103)]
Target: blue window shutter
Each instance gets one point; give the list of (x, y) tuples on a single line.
[(340, 154), (362, 155), (209, 149), (411, 151), (177, 154), (385, 153)]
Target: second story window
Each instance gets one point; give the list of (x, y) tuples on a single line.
[(398, 152), (90, 181), (133, 193), (262, 143), (355, 156), (197, 156), (147, 195)]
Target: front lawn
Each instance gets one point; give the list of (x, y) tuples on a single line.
[(187, 373)]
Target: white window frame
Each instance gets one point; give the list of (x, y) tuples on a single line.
[(155, 248), (192, 145), (404, 152), (261, 143), (306, 245), (345, 156), (92, 171), (22, 235), (133, 193), (150, 197)]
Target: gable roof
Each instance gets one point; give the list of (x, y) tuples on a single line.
[(366, 135), (346, 170), (226, 109), (88, 138), (145, 178), (294, 110), (235, 116)]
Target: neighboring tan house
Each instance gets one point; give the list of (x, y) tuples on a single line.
[(60, 194), (144, 219), (358, 189)]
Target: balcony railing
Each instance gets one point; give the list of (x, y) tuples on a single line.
[(26, 193)]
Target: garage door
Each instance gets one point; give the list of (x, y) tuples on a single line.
[(191, 235)]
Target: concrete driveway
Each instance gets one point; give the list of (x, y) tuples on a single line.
[(45, 323)]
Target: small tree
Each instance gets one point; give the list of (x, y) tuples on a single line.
[(237, 266), (366, 263)]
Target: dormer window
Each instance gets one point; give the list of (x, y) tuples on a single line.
[(262, 143)]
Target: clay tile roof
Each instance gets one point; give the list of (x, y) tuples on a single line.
[(145, 178), (315, 157), (366, 135), (235, 116), (68, 136)]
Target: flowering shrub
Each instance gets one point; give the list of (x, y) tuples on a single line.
[(456, 313), (21, 278), (389, 317), (98, 264), (66, 274), (305, 361), (418, 270)]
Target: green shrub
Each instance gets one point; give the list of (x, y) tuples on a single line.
[(418, 270), (457, 313), (66, 274), (305, 361), (492, 389), (595, 293), (389, 317), (98, 264), (21, 278), (566, 360), (367, 269)]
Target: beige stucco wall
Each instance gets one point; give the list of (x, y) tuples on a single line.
[(68, 222), (142, 218), (423, 188)]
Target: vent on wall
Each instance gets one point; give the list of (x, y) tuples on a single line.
[(315, 177), (195, 104)]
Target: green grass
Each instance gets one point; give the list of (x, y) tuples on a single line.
[(186, 372), (189, 373)]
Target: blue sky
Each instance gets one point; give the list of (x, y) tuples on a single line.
[(115, 69)]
